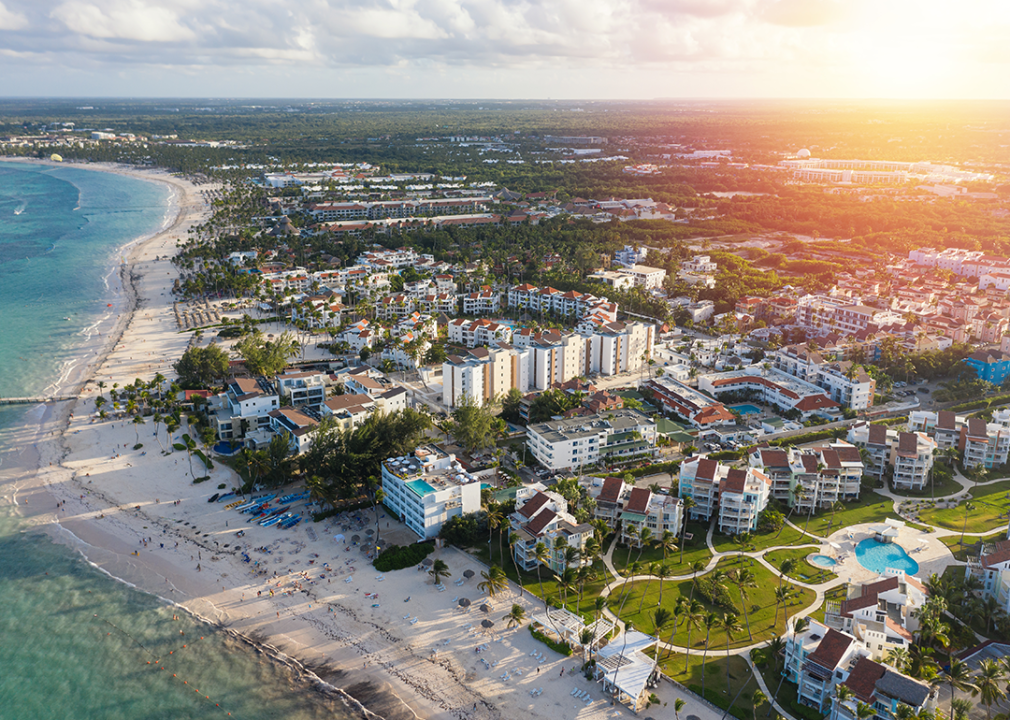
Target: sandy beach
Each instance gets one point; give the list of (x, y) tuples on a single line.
[(408, 652)]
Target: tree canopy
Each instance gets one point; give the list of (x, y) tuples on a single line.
[(200, 367), (266, 357)]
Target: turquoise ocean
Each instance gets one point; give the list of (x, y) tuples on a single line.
[(75, 643)]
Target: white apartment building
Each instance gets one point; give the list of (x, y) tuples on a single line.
[(294, 425), (823, 475), (554, 358), (609, 437), (630, 255), (482, 302), (699, 480), (426, 488), (478, 332), (848, 386), (820, 312), (628, 507), (699, 265), (743, 494), (483, 374), (244, 406), (349, 410), (303, 388), (983, 443), (879, 442), (617, 347), (992, 569), (616, 280), (359, 335), (542, 516), (882, 615), (647, 278), (773, 387), (816, 659), (943, 426), (912, 457)]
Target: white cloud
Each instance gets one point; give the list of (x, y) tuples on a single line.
[(123, 20), (10, 20)]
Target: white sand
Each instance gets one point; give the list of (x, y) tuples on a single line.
[(114, 497)]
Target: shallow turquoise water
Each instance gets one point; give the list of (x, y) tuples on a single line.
[(823, 561), (877, 557), (75, 643), (746, 409)]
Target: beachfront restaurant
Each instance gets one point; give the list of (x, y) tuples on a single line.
[(625, 670), (569, 626)]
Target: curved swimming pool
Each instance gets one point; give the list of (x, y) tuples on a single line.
[(822, 561), (877, 556)]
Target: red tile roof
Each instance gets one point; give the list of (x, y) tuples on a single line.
[(638, 500), (611, 490), (537, 524), (533, 505), (862, 680), (735, 481), (831, 649)]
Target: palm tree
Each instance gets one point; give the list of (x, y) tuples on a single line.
[(696, 567), (968, 507), (651, 571), (494, 581), (897, 658), (782, 596), (644, 539), (743, 579), (189, 445), (631, 533), (960, 707), (864, 711), (586, 641), (634, 570), (959, 678), (730, 626), (439, 570), (711, 622), (661, 619), (842, 695), (987, 680), (687, 503), (513, 539), (516, 616), (667, 543), (678, 705), (662, 572), (694, 615), (137, 422), (786, 567), (495, 519), (542, 556)]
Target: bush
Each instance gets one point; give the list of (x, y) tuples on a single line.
[(320, 516), (199, 480), (808, 437), (462, 531), (716, 594), (668, 467), (206, 460), (138, 446), (560, 647), (222, 486), (397, 557)]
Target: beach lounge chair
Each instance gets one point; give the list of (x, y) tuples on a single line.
[(349, 579), (406, 617), (414, 621), (589, 701), (574, 690)]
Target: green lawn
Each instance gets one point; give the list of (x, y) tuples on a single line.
[(554, 593), (991, 507), (716, 690), (760, 611), (870, 508), (804, 571), (695, 550), (961, 552), (835, 594), (760, 541)]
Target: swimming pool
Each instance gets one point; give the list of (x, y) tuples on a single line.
[(746, 409), (822, 561), (877, 557), (420, 487)]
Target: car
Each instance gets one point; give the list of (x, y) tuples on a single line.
[(924, 390)]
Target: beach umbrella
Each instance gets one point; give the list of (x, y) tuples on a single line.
[(468, 574), (485, 608), (355, 538), (338, 537), (427, 562), (369, 532), (487, 623), (463, 602)]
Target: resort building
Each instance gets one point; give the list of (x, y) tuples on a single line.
[(743, 494), (611, 437), (697, 408), (303, 388), (625, 506), (772, 387), (878, 441), (542, 516), (478, 332), (349, 410), (645, 277), (845, 383), (244, 406), (983, 443), (625, 668), (883, 689), (989, 365), (943, 426), (816, 658), (807, 479), (292, 424), (426, 488), (912, 457), (992, 568), (881, 615), (617, 347), (736, 497), (485, 373)]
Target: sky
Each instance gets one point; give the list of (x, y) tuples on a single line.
[(560, 49)]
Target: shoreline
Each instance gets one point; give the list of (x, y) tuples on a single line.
[(137, 516)]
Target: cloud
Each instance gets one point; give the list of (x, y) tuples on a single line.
[(10, 20), (123, 20), (803, 13)]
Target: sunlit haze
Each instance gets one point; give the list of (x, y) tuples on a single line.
[(506, 48)]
